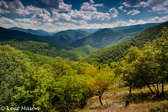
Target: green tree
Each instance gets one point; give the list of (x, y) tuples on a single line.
[(101, 82), (161, 57), (129, 73)]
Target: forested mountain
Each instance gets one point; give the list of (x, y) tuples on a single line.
[(43, 45), (89, 30), (72, 34), (36, 32), (26, 36), (103, 38), (134, 28), (46, 49), (63, 37), (117, 52), (57, 84)]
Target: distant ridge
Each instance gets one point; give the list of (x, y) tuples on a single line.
[(135, 28), (118, 52), (36, 32), (103, 38)]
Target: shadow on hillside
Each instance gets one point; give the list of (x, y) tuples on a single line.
[(144, 97)]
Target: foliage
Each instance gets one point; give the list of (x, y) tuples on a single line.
[(46, 49), (103, 38), (148, 65), (118, 52)]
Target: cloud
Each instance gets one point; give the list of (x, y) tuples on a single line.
[(88, 16), (134, 3), (8, 6), (133, 12), (53, 4), (15, 7), (113, 12), (124, 10), (90, 6), (91, 1), (121, 7), (35, 10), (42, 18), (158, 19), (158, 6), (30, 23)]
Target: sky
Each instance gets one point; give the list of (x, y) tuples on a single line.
[(57, 15)]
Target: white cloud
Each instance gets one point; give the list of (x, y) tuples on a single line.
[(30, 23), (42, 18), (133, 12), (100, 16), (113, 12), (87, 15), (35, 10), (91, 1), (121, 7), (90, 6), (124, 10), (159, 6), (158, 19)]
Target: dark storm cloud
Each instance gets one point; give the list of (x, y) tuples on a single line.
[(133, 2), (10, 6), (47, 3), (55, 4)]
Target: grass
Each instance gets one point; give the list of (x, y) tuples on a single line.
[(141, 101)]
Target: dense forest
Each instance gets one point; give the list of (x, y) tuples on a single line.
[(28, 78), (118, 52)]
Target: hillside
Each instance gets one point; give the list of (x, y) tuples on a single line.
[(141, 101), (62, 37), (35, 32), (26, 36), (42, 45), (103, 38), (71, 35), (117, 52), (134, 28), (46, 49)]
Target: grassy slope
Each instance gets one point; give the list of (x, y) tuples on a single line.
[(141, 101), (118, 52)]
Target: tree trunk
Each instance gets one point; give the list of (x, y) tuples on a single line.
[(163, 90), (154, 87), (150, 89), (67, 107), (100, 96), (130, 88), (157, 90)]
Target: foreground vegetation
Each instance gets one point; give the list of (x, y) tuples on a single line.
[(141, 101), (57, 84)]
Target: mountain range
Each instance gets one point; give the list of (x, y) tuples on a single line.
[(118, 52), (75, 44), (35, 32), (103, 38)]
